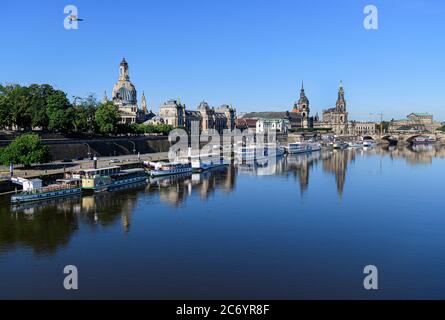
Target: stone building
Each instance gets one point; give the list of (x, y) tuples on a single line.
[(361, 128), (246, 124), (277, 125), (301, 108), (415, 122), (174, 113), (337, 118), (124, 96), (296, 119)]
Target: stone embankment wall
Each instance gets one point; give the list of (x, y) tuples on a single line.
[(107, 148), (62, 147)]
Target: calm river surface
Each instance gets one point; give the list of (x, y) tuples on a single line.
[(304, 228)]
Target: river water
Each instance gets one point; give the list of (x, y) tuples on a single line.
[(303, 228)]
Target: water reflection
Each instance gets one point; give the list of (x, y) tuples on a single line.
[(46, 227)]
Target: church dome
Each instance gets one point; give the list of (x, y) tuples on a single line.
[(125, 92)]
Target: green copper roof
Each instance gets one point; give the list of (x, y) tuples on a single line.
[(421, 114)]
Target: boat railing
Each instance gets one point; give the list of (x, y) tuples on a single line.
[(49, 189)]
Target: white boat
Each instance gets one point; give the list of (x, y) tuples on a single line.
[(199, 165), (423, 140), (315, 146), (250, 153), (339, 145), (273, 150), (299, 147), (170, 168), (368, 143), (352, 144)]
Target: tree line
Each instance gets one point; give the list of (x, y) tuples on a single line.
[(41, 106)]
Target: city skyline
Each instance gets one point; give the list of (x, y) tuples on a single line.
[(253, 55)]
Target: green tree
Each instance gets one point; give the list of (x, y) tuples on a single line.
[(84, 115), (60, 112), (39, 98), (107, 118), (6, 119), (18, 100), (26, 150)]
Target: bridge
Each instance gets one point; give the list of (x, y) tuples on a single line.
[(406, 138)]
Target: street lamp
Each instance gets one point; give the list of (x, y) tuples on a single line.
[(134, 147), (89, 150)]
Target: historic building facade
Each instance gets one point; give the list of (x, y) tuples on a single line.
[(124, 96), (174, 113), (415, 122), (301, 108), (337, 118), (296, 119), (277, 125), (361, 128)]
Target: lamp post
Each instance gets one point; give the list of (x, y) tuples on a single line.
[(89, 150), (134, 147)]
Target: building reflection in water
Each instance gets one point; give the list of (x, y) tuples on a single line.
[(46, 227), (336, 163), (175, 189)]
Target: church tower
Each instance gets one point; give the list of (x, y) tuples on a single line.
[(124, 75), (341, 102), (144, 103), (302, 107)]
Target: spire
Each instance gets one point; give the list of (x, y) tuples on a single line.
[(341, 102), (123, 71), (105, 100), (302, 85)]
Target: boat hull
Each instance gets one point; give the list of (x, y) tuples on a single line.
[(161, 173), (46, 195), (127, 182)]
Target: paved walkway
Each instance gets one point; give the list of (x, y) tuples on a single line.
[(60, 167)]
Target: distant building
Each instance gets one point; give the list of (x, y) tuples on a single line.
[(337, 118), (361, 128), (276, 125), (301, 108), (124, 96), (298, 118), (246, 124), (174, 113), (415, 122)]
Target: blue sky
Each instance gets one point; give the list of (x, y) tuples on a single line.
[(250, 53)]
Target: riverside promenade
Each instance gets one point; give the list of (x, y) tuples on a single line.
[(59, 167)]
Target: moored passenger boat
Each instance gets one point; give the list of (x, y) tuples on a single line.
[(34, 191), (250, 153), (424, 140), (128, 177), (315, 146), (274, 150), (98, 179), (299, 147), (199, 164), (339, 145), (165, 169), (368, 143)]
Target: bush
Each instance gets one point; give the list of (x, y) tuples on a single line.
[(26, 150)]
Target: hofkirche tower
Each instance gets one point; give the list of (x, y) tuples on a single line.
[(337, 117), (302, 107)]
